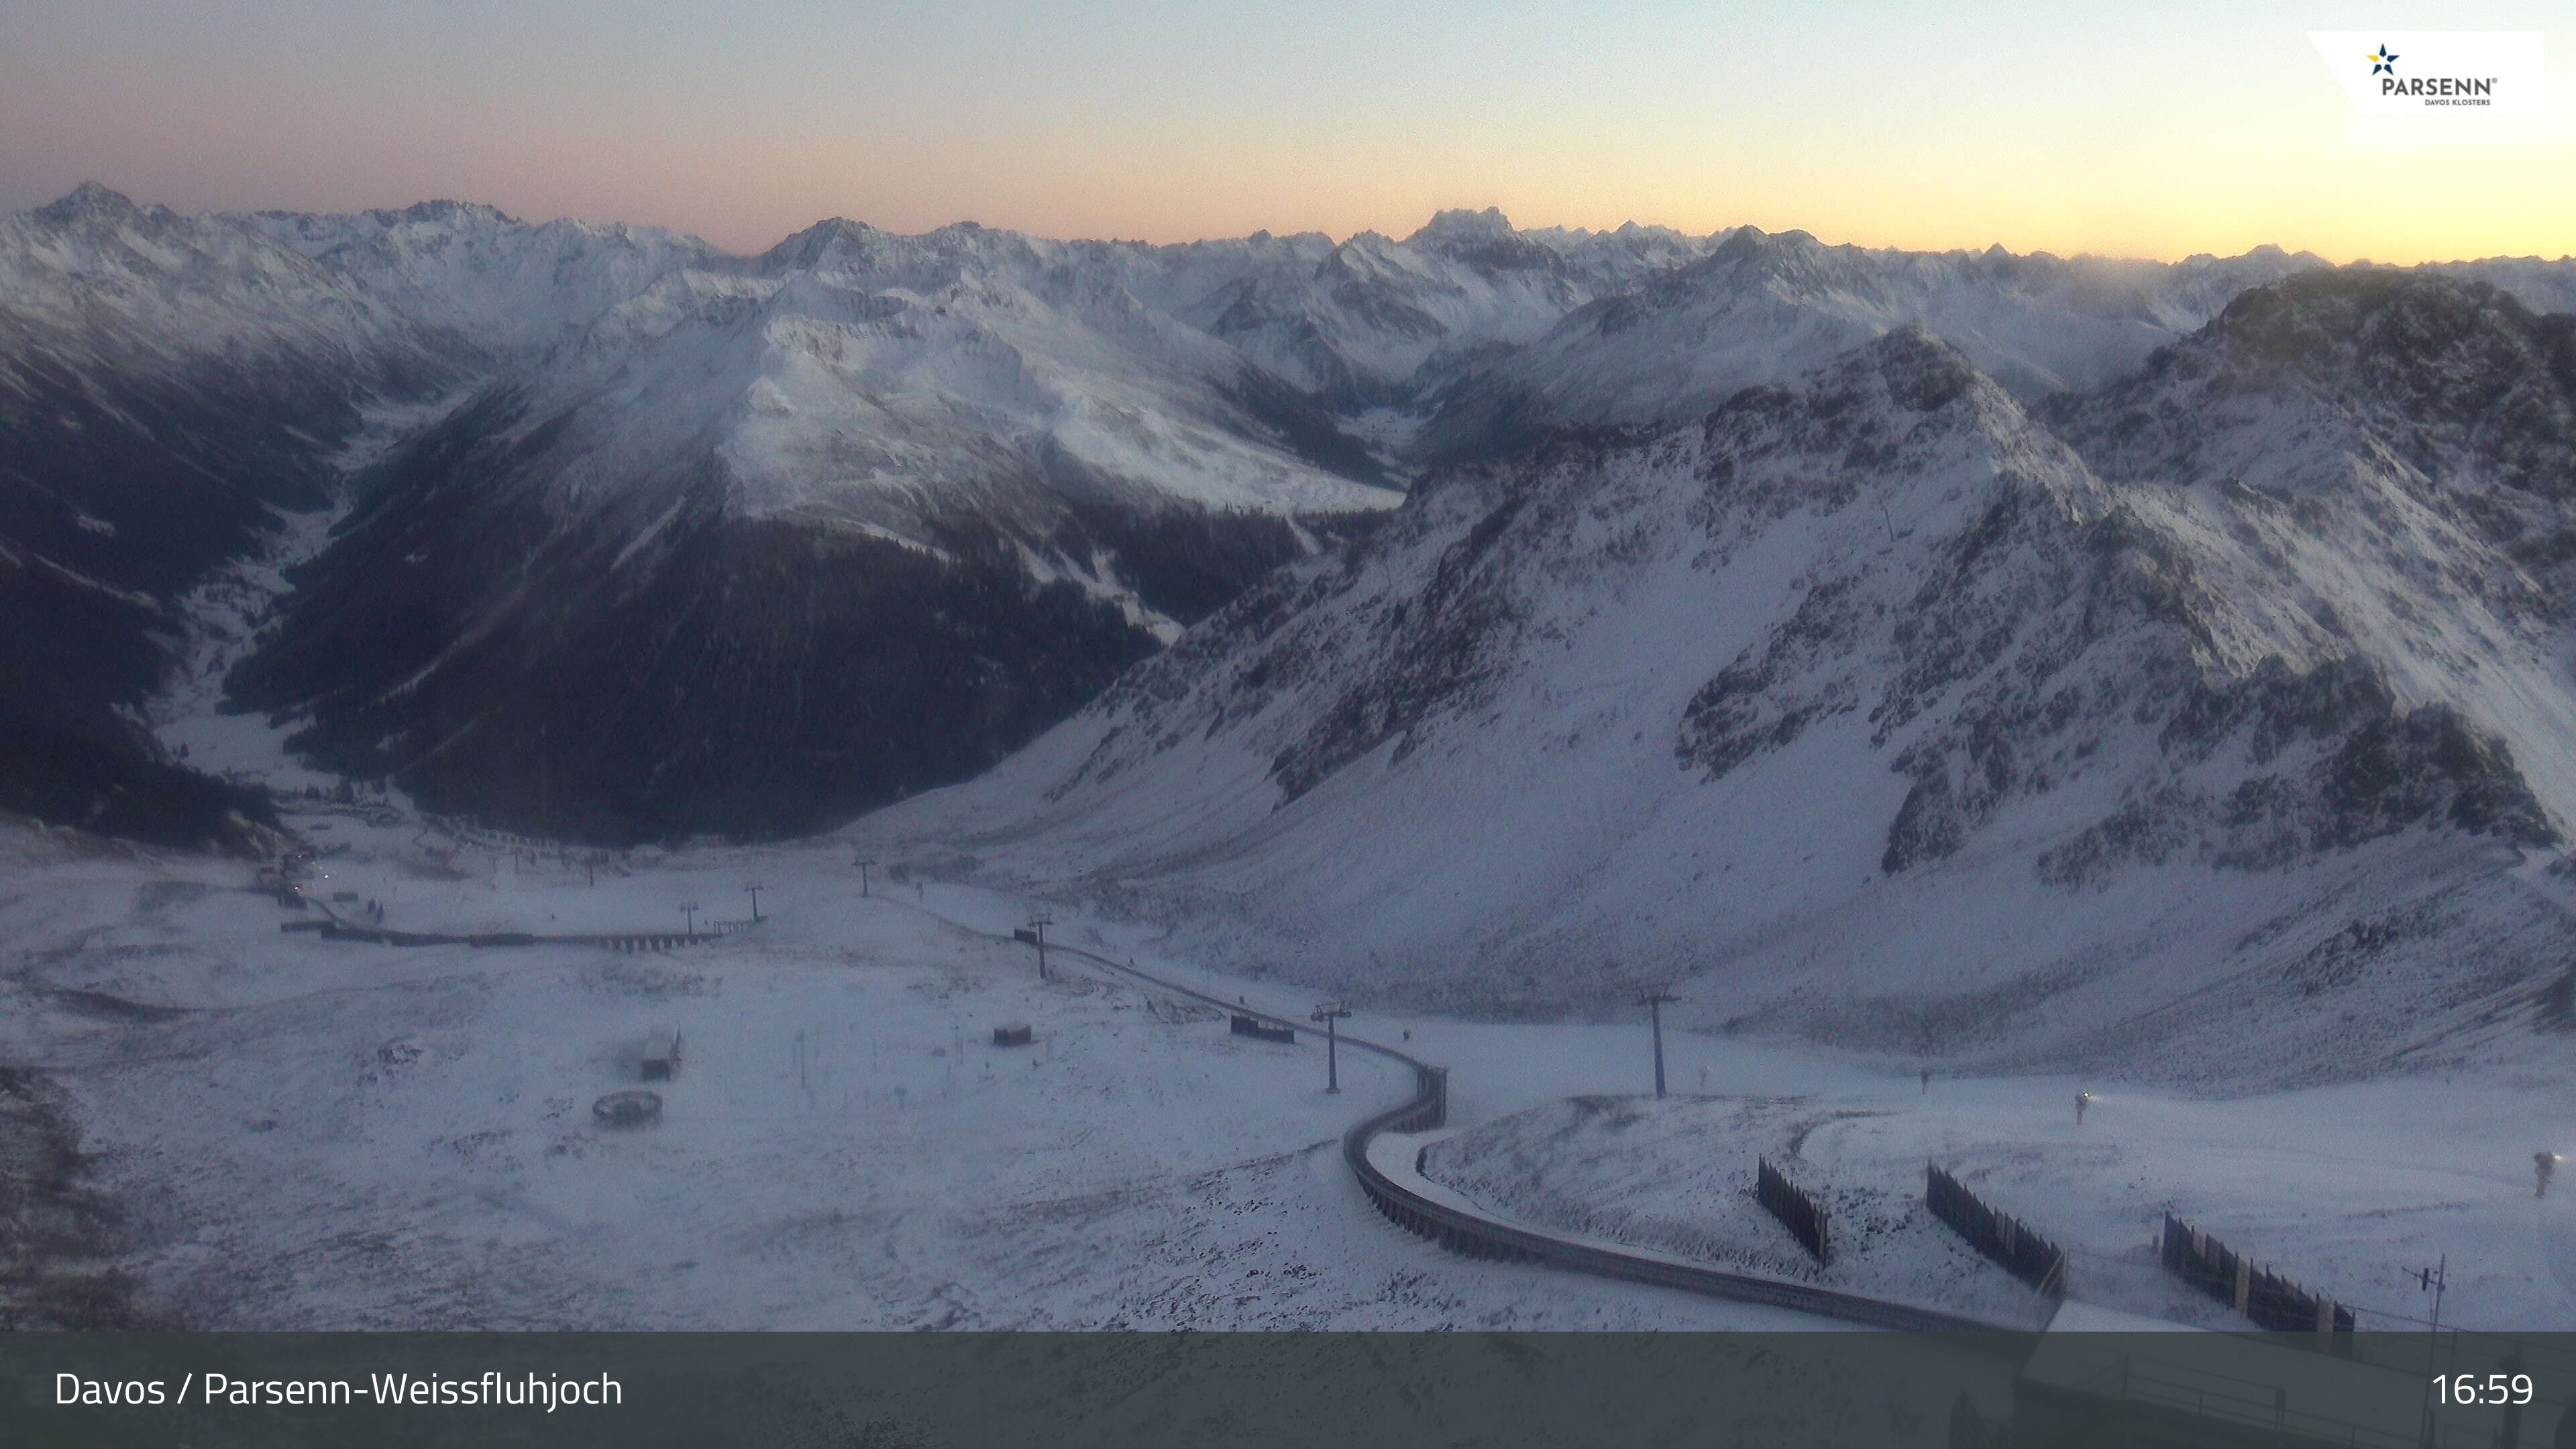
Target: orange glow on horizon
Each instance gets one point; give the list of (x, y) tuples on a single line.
[(1162, 123)]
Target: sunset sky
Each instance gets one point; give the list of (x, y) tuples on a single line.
[(2156, 131)]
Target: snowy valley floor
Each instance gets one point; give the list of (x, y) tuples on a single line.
[(296, 1132)]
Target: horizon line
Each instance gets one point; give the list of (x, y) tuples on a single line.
[(1261, 232)]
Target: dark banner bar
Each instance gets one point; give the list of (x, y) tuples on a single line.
[(882, 1391)]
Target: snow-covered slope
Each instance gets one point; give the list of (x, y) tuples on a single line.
[(2542, 286), (1373, 321), (2379, 465), (167, 384), (817, 528), (883, 358), (476, 271), (1877, 709), (128, 286), (1762, 308)]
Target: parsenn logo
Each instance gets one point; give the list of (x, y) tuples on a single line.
[(2458, 90), (2446, 72)]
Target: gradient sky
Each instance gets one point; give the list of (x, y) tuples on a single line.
[(2160, 132)]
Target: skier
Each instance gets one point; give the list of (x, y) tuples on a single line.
[(2082, 1101), (2542, 1165), (1927, 1081)]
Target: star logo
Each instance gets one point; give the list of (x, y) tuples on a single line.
[(2382, 61)]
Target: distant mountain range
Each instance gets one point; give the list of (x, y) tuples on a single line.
[(644, 540)]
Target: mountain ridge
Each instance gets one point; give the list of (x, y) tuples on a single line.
[(1869, 709), (1151, 427)]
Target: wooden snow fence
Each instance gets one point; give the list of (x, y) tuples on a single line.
[(2265, 1298), (1801, 1214), (1999, 1236)]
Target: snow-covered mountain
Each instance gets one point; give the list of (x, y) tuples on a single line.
[(815, 528), (507, 285), (1757, 308), (851, 517), (1370, 322), (1092, 443), (1882, 710), (168, 384), (2541, 285)]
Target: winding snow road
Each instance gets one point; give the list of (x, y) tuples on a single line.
[(1417, 1206)]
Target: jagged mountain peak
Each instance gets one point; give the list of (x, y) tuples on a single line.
[(1751, 243), (1893, 396), (2378, 463), (1747, 256), (1464, 224), (1485, 240), (98, 226), (501, 285), (2431, 367), (1923, 371), (128, 287), (88, 202), (1759, 306), (820, 242), (958, 254), (443, 210), (2336, 317), (2278, 260)]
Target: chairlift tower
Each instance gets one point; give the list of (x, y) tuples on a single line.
[(1654, 999), (1331, 1013), (1037, 930)]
